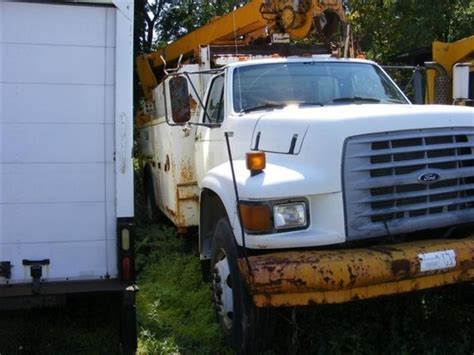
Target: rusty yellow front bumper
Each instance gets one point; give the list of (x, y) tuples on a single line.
[(300, 278)]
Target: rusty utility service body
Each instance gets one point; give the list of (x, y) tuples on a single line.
[(312, 179)]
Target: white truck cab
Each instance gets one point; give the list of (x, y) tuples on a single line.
[(313, 119), (320, 153)]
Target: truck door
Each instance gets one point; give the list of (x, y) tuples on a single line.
[(210, 141)]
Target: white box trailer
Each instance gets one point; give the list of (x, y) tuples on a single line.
[(66, 171)]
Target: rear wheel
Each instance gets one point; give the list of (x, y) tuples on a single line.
[(152, 212), (247, 329)]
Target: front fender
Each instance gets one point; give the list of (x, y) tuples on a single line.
[(219, 180), (276, 182)]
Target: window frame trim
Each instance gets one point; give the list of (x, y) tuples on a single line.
[(208, 95)]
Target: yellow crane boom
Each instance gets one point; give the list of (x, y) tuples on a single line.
[(256, 20)]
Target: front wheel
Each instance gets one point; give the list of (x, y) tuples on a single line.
[(246, 328)]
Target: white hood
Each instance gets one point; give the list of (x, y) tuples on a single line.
[(278, 128), (315, 165)]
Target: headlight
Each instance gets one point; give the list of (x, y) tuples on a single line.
[(289, 215), (257, 217)]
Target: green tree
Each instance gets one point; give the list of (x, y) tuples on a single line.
[(148, 14), (185, 16), (385, 28)]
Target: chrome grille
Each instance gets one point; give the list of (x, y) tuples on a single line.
[(382, 188)]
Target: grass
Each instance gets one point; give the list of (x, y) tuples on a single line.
[(176, 317), (175, 313)]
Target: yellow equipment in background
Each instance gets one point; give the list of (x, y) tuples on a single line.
[(440, 71), (299, 18)]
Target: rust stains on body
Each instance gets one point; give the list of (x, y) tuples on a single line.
[(187, 199), (401, 267), (180, 103), (167, 163), (303, 277), (186, 173)]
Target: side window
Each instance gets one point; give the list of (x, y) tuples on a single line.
[(215, 101)]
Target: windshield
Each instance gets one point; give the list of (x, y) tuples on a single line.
[(267, 86)]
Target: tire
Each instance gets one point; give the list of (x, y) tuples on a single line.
[(206, 270), (246, 328), (152, 212)]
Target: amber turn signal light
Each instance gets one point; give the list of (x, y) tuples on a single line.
[(255, 218), (256, 162)]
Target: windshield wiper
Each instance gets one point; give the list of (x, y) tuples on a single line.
[(262, 107), (356, 99), (311, 104)]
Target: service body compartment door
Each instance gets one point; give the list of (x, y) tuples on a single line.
[(57, 171)]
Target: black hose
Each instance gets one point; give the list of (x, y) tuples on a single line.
[(239, 214)]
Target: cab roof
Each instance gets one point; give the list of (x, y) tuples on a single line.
[(318, 59)]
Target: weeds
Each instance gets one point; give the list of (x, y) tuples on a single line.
[(174, 304), (176, 316)]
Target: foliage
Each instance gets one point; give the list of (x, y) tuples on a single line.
[(158, 22), (174, 304), (185, 16), (147, 16), (175, 313), (386, 28)]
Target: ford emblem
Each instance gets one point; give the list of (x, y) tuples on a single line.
[(428, 178)]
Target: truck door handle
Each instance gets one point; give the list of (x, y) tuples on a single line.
[(198, 136)]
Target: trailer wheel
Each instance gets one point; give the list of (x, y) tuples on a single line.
[(246, 328)]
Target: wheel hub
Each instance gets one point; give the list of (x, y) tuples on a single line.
[(222, 291)]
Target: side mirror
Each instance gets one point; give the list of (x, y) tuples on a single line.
[(179, 97), (461, 81)]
